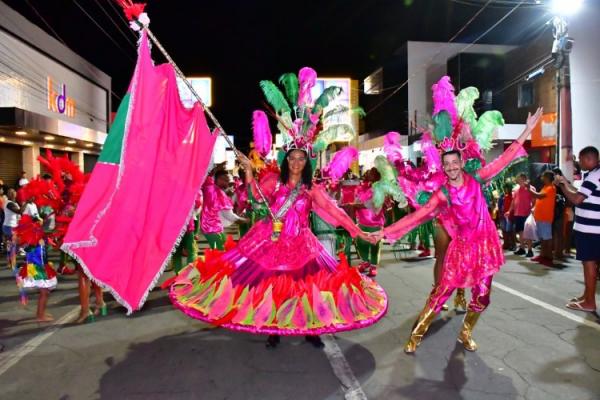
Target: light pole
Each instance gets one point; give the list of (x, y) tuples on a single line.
[(561, 48)]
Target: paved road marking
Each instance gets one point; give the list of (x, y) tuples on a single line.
[(10, 358), (341, 369), (548, 307)]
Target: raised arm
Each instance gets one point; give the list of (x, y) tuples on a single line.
[(412, 220), (327, 209), (571, 193), (513, 152), (267, 185)]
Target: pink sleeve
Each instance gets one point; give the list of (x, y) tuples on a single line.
[(513, 152), (327, 209), (412, 220), (209, 195)]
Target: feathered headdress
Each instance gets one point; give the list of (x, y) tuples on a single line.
[(303, 123), (455, 127)]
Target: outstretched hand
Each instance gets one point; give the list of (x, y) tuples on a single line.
[(375, 237), (532, 121), (245, 161), (366, 237)]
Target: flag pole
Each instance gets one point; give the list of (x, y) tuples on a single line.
[(207, 110)]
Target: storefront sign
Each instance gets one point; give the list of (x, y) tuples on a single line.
[(59, 102)]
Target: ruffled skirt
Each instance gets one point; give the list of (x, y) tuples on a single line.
[(288, 287), (32, 276)]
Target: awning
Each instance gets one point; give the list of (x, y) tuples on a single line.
[(13, 118)]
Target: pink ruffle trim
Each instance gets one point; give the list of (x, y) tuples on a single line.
[(193, 313)]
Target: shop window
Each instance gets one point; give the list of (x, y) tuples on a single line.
[(526, 94)]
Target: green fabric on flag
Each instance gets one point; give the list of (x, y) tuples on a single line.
[(111, 151)]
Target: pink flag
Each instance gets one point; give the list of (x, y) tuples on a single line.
[(141, 193)]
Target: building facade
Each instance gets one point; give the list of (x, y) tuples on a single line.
[(50, 99)]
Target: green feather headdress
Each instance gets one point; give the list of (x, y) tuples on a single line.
[(302, 122)]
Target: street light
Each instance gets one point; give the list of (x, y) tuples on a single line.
[(566, 7)]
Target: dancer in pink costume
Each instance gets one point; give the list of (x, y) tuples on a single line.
[(215, 202), (279, 279), (475, 253)]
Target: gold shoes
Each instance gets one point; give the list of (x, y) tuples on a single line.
[(466, 332), (459, 300), (419, 330)]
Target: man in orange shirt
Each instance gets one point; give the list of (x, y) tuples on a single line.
[(543, 214)]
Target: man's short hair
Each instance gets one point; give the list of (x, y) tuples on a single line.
[(522, 175), (589, 151), (448, 153), (548, 174)]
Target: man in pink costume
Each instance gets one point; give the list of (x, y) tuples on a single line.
[(474, 254)]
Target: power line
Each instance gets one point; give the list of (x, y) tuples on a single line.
[(104, 31), (399, 87), (120, 14), (547, 60), (127, 38), (493, 26), (499, 3), (469, 21), (45, 22), (440, 50)]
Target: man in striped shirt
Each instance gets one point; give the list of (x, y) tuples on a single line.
[(587, 225)]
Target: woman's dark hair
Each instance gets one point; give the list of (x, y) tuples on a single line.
[(307, 174)]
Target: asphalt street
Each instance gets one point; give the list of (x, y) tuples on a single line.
[(531, 347)]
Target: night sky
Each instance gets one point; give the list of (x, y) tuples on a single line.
[(241, 42)]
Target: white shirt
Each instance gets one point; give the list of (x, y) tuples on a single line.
[(31, 210), (23, 182), (10, 218)]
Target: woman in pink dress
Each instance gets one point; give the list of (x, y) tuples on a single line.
[(279, 279)]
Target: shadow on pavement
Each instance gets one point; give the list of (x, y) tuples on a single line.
[(461, 379), (218, 364), (581, 371)]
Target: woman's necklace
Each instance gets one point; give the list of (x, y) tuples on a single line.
[(278, 220)]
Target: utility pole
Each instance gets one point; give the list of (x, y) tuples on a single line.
[(561, 49)]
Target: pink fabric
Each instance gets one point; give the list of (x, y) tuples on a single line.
[(241, 199), (480, 296), (335, 328), (428, 211), (132, 213), (328, 209), (523, 202), (348, 194), (296, 245), (372, 219), (475, 252), (511, 154), (296, 267), (215, 201)]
